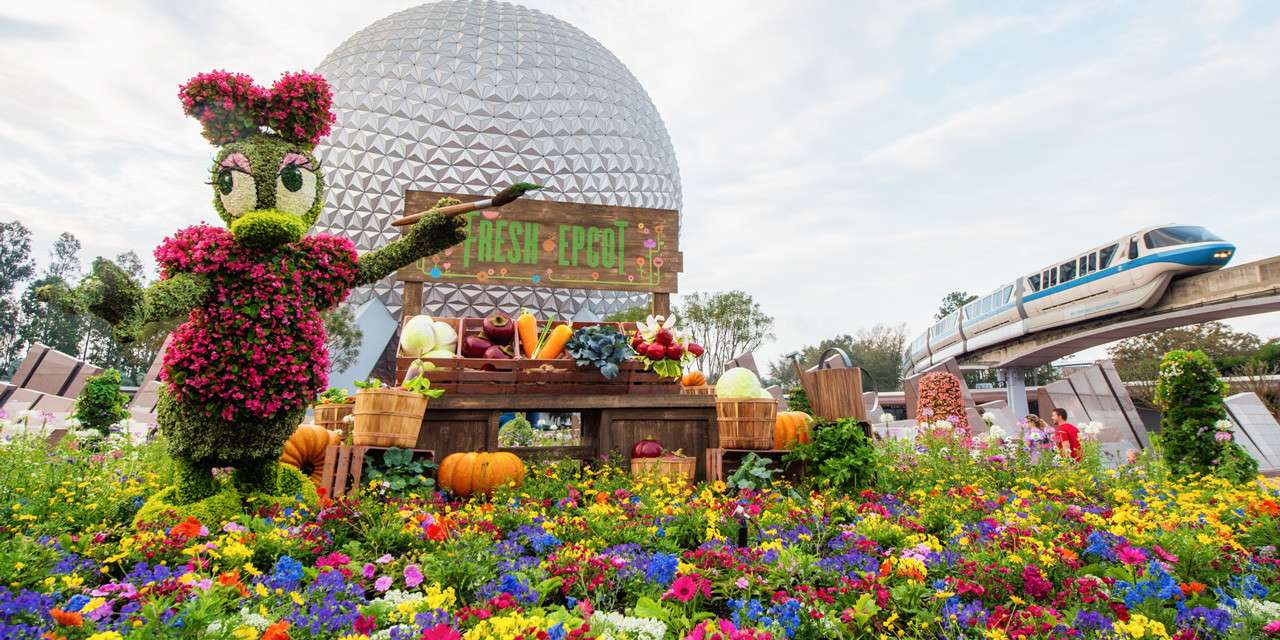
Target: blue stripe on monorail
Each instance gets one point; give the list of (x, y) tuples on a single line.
[(1194, 256)]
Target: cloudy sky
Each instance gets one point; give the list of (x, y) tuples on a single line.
[(847, 163)]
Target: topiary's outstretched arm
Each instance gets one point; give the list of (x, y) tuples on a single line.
[(430, 235), (109, 293)]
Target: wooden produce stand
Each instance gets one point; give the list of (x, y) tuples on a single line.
[(609, 423), (536, 242)]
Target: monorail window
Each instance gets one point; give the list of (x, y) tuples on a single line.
[(1034, 281), (1053, 277), (1133, 248), (1008, 292), (1105, 255), (1171, 236), (1084, 266), (1093, 262), (1068, 271)]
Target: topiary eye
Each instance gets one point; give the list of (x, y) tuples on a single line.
[(225, 182), (291, 177)]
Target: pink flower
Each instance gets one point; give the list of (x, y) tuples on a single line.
[(368, 571), (441, 632), (742, 583), (412, 576), (382, 584), (1131, 555), (686, 587), (1272, 628)]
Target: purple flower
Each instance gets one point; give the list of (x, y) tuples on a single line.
[(382, 584), (649, 243), (369, 570), (412, 576)]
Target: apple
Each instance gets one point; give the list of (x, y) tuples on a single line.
[(675, 351), (656, 351), (694, 348), (664, 337)]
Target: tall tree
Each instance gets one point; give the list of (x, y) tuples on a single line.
[(343, 336), (100, 348), (1138, 358), (42, 322), (953, 301), (16, 265), (727, 324), (877, 350)]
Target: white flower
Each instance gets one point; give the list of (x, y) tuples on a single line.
[(1222, 425), (943, 424), (886, 417), (996, 432), (1093, 428), (988, 418), (72, 423), (26, 415), (615, 626)]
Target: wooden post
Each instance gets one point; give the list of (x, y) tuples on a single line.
[(661, 304), (412, 304)]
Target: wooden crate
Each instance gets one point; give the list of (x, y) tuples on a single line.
[(721, 463), (520, 375), (344, 465)]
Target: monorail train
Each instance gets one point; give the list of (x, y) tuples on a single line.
[(1129, 273)]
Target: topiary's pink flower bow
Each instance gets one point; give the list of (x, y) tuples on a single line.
[(298, 107)]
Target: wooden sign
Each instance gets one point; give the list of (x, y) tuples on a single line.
[(535, 243)]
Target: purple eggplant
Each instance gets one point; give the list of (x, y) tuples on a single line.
[(496, 353), (475, 347)]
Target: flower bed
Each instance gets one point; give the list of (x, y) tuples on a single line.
[(997, 542)]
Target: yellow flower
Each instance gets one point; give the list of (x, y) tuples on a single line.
[(106, 635), (245, 633)]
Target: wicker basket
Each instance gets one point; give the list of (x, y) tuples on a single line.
[(332, 416), (700, 390), (388, 417), (666, 465), (746, 423)]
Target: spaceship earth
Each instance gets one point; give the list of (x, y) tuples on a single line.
[(469, 97)]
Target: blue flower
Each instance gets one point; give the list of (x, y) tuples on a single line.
[(287, 572), (661, 568)]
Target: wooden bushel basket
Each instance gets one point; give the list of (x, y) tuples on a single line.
[(332, 416), (746, 423), (672, 466), (388, 417), (698, 390), (833, 393)]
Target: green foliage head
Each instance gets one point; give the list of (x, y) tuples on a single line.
[(101, 404), (268, 190)]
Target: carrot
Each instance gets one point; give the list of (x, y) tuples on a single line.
[(527, 327), (555, 342)]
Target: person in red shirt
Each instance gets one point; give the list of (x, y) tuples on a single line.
[(1066, 434)]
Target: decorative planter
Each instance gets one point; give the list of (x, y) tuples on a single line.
[(388, 417), (666, 465), (746, 423)]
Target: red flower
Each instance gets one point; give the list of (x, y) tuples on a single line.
[(277, 631), (190, 528), (66, 618)]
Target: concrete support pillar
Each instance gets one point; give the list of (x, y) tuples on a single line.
[(1016, 386)]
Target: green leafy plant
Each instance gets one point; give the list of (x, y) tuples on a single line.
[(601, 346), (101, 404), (839, 454), (1195, 436), (516, 432), (798, 400), (334, 396), (371, 383), (753, 474), (422, 386), (400, 473)]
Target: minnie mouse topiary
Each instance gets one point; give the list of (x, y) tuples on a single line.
[(251, 356)]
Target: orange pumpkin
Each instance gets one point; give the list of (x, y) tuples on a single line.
[(790, 428), (475, 472), (694, 379), (305, 449)]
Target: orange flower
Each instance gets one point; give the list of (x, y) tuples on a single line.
[(1268, 507), (232, 579), (277, 631), (1190, 588), (188, 529), (49, 635), (886, 568), (66, 618)]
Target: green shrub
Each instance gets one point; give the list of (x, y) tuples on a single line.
[(1189, 393), (798, 400), (517, 432), (101, 404)]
